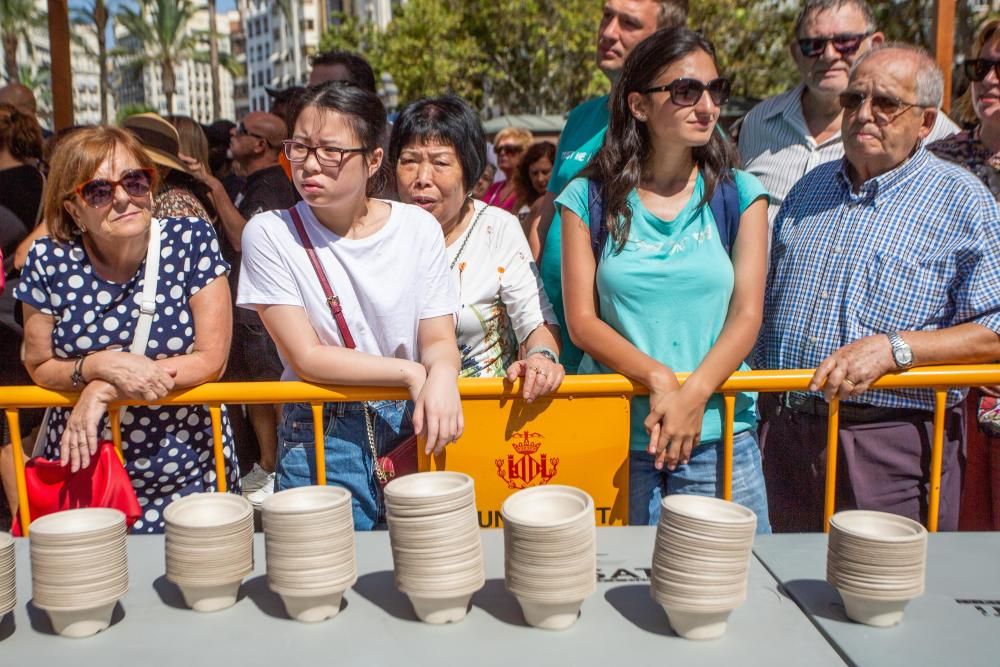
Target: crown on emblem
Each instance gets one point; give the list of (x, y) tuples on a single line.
[(527, 446)]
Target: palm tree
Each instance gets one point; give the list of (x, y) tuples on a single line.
[(95, 17), (17, 17), (160, 26)]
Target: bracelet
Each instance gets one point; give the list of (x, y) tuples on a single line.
[(545, 352), (77, 377)]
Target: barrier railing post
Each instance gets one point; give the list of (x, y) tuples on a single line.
[(18, 452), (215, 410), (729, 414), (937, 454), (832, 442), (317, 412), (116, 433)]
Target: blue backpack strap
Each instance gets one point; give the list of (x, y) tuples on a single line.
[(725, 207), (598, 226)]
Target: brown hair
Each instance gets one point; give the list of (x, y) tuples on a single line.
[(522, 177), (20, 134), (964, 111), (76, 159), (192, 140), (672, 14)]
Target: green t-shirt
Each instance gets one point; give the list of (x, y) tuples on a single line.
[(580, 139), (668, 293)]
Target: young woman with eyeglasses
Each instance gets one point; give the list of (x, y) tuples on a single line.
[(82, 289), (386, 264), (662, 296)]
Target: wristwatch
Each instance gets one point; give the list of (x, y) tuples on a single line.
[(901, 352)]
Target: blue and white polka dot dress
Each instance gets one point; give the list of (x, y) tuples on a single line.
[(168, 450)]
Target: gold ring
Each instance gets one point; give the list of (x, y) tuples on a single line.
[(849, 381)]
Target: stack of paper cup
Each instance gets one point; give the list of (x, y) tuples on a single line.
[(701, 561), (209, 540), (878, 562), (79, 568), (550, 553), (309, 540), (8, 585), (436, 549)]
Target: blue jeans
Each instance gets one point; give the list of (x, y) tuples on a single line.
[(699, 476), (348, 457)]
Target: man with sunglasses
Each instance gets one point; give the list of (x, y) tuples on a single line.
[(884, 260), (624, 23), (255, 144), (785, 136)]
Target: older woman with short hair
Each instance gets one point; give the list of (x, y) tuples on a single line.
[(438, 151), (82, 288), (510, 145)]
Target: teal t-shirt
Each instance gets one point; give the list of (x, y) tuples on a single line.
[(668, 293), (580, 139)]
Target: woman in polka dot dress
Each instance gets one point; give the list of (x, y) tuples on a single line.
[(81, 289)]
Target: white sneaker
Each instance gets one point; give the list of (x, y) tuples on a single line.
[(257, 482)]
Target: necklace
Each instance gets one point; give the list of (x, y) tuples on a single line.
[(468, 235)]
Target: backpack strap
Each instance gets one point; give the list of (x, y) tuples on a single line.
[(725, 207), (598, 225)]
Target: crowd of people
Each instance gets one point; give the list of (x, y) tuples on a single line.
[(846, 225)]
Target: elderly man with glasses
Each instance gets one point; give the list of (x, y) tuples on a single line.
[(887, 259), (786, 136), (255, 144)]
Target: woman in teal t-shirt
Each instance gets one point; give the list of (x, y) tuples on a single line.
[(668, 298)]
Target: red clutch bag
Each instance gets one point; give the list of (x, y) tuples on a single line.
[(104, 483)]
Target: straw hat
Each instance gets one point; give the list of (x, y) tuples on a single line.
[(158, 137)]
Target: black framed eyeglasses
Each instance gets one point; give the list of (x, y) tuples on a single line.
[(509, 149), (687, 92), (846, 43), (885, 108), (977, 69), (328, 156), (100, 192)]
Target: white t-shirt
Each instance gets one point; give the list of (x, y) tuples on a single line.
[(386, 282), (500, 290)]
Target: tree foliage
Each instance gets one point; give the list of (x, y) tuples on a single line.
[(537, 56)]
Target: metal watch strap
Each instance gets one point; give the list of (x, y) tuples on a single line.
[(899, 345)]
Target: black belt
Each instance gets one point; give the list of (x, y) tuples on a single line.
[(852, 412)]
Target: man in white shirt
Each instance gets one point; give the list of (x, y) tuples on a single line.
[(787, 135)]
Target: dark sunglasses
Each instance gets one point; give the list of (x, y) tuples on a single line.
[(100, 192), (977, 69), (885, 109), (845, 44), (509, 149), (242, 131), (687, 92)]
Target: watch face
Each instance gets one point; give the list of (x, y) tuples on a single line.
[(903, 357)]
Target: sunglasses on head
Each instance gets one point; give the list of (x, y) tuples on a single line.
[(885, 108), (845, 44), (509, 149), (687, 92), (100, 192), (978, 68)]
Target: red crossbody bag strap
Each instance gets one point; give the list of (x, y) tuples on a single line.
[(332, 300)]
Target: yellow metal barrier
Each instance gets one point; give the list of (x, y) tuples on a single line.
[(505, 396)]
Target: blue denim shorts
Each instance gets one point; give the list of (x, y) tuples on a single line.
[(348, 456), (701, 475)]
